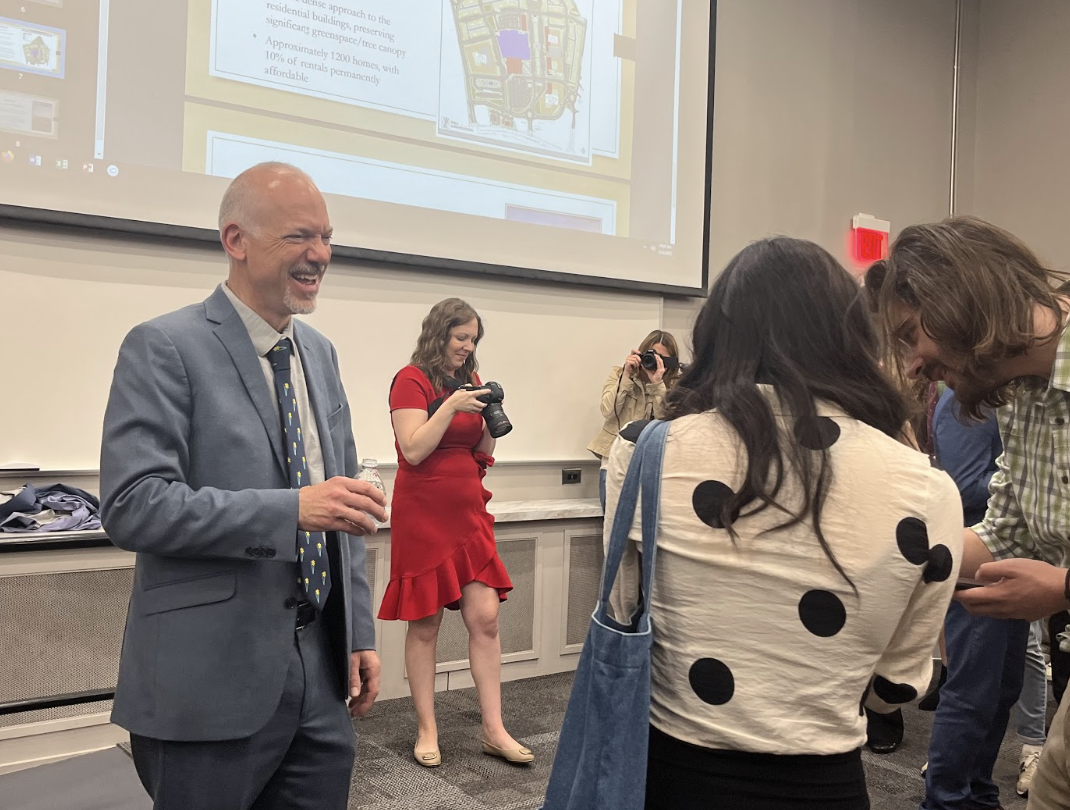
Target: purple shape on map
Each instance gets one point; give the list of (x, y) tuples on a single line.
[(514, 44)]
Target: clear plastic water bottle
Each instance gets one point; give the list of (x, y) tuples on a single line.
[(369, 471)]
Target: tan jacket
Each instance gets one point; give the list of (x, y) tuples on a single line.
[(624, 401)]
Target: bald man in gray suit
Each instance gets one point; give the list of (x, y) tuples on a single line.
[(228, 465)]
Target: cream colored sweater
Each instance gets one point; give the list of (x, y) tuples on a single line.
[(761, 645)]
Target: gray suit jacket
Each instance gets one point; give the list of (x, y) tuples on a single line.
[(193, 479)]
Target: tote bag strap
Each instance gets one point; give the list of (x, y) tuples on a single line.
[(644, 472), (650, 487)]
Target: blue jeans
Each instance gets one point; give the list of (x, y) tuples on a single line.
[(985, 668), (1032, 706)]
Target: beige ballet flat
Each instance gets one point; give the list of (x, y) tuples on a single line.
[(429, 759), (518, 756)]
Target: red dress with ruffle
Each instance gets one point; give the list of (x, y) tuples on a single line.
[(441, 535)]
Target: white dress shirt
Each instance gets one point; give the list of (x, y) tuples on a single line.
[(264, 338)]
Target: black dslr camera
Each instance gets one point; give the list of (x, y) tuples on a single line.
[(498, 423), (649, 361)]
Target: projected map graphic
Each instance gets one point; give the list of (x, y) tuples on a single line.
[(523, 68)]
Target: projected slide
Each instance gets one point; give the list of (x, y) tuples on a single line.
[(486, 71), (562, 135), (31, 48)]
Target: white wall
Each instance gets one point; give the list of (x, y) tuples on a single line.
[(825, 109), (1021, 170), (79, 295), (811, 127)]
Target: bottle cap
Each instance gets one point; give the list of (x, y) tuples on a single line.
[(369, 462)]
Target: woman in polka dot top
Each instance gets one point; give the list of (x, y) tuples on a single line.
[(806, 555)]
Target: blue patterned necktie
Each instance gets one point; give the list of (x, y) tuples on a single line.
[(315, 576)]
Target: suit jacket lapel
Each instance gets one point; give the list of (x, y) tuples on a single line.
[(317, 396), (235, 337)]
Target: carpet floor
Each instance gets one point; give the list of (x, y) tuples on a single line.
[(387, 778)]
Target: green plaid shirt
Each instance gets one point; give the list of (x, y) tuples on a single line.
[(1029, 497)]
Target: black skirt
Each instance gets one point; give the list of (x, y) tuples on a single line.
[(681, 776)]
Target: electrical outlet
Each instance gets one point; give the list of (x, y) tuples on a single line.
[(571, 476)]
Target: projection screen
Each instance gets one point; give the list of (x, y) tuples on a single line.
[(564, 139)]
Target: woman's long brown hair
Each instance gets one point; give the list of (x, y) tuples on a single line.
[(430, 353)]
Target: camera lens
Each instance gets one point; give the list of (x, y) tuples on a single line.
[(498, 423), (648, 360)]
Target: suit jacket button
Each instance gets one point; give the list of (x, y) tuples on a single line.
[(290, 603), (269, 552), (250, 551)]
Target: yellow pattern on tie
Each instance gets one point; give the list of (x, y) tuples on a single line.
[(280, 358)]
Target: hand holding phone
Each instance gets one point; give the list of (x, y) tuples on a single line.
[(965, 583)]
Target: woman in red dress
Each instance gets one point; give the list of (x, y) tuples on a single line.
[(442, 547)]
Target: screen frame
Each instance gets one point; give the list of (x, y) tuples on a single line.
[(25, 215)]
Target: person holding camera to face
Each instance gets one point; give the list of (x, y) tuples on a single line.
[(635, 390), (442, 548)]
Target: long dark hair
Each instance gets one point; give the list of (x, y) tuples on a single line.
[(975, 288), (785, 313), (430, 353)]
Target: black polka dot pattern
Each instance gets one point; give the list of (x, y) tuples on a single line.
[(712, 681), (913, 540), (818, 434), (939, 567), (912, 536), (893, 692), (709, 499), (632, 430), (822, 613)]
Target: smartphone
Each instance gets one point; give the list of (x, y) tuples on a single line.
[(965, 583)]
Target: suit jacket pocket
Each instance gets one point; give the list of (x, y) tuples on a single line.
[(187, 593), (335, 417)]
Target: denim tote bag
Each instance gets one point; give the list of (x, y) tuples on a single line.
[(602, 751)]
